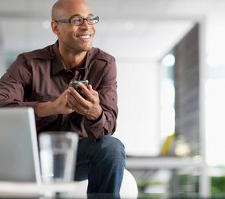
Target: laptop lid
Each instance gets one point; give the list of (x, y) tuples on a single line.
[(19, 159)]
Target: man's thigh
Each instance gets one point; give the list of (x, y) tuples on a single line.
[(90, 151)]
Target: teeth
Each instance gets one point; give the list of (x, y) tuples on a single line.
[(85, 37)]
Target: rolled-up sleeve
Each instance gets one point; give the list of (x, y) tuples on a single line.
[(107, 91)]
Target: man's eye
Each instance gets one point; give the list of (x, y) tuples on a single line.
[(90, 19), (77, 20)]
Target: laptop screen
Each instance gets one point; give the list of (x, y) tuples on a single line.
[(19, 160)]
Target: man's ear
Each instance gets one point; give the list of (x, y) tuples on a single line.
[(54, 26)]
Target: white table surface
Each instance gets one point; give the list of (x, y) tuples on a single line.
[(31, 189)]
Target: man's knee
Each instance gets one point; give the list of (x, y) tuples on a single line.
[(111, 145)]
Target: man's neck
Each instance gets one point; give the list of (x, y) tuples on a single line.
[(72, 60)]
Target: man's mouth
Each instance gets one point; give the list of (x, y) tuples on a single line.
[(85, 37)]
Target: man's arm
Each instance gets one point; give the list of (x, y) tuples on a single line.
[(59, 106), (17, 81), (12, 94)]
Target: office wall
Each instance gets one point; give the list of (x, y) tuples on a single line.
[(186, 79), (2, 54), (138, 107)]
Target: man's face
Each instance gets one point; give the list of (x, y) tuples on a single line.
[(72, 37)]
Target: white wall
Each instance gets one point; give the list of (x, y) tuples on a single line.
[(32, 34), (2, 57), (138, 109)]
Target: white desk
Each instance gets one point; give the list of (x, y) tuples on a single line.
[(135, 163), (162, 162), (27, 190)]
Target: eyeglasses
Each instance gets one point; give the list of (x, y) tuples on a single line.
[(78, 20)]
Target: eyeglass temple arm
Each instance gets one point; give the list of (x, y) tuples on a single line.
[(63, 21)]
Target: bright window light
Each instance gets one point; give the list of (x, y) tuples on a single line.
[(215, 114), (168, 60)]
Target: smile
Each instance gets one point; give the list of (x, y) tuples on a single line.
[(85, 36)]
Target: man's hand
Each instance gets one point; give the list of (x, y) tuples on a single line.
[(88, 106), (59, 106)]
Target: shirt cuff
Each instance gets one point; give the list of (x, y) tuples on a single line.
[(97, 124), (95, 128)]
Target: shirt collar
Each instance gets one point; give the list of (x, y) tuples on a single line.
[(58, 63)]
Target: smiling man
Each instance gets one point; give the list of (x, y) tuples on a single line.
[(40, 79)]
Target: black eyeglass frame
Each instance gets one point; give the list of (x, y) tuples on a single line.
[(84, 19)]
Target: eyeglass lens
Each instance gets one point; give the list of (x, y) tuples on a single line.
[(76, 20)]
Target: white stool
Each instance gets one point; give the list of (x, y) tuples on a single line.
[(129, 189)]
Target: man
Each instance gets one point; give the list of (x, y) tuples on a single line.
[(40, 79)]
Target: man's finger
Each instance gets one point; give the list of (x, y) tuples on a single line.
[(77, 96), (85, 90), (75, 105)]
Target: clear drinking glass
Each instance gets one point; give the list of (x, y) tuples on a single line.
[(57, 156)]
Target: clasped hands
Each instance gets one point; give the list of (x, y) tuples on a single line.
[(88, 106), (70, 100)]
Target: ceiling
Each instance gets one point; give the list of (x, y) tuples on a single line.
[(128, 29)]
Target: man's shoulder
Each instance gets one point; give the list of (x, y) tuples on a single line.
[(99, 54), (44, 53)]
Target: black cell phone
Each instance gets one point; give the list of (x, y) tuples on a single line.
[(74, 84)]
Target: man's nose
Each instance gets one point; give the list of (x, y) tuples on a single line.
[(85, 24)]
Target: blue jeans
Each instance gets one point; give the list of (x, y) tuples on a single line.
[(102, 163)]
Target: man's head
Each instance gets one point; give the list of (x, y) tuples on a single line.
[(77, 38)]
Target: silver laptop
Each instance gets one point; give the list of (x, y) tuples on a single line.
[(19, 160)]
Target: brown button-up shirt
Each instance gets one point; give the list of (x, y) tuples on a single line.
[(40, 76)]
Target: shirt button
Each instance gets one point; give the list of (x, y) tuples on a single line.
[(52, 55)]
